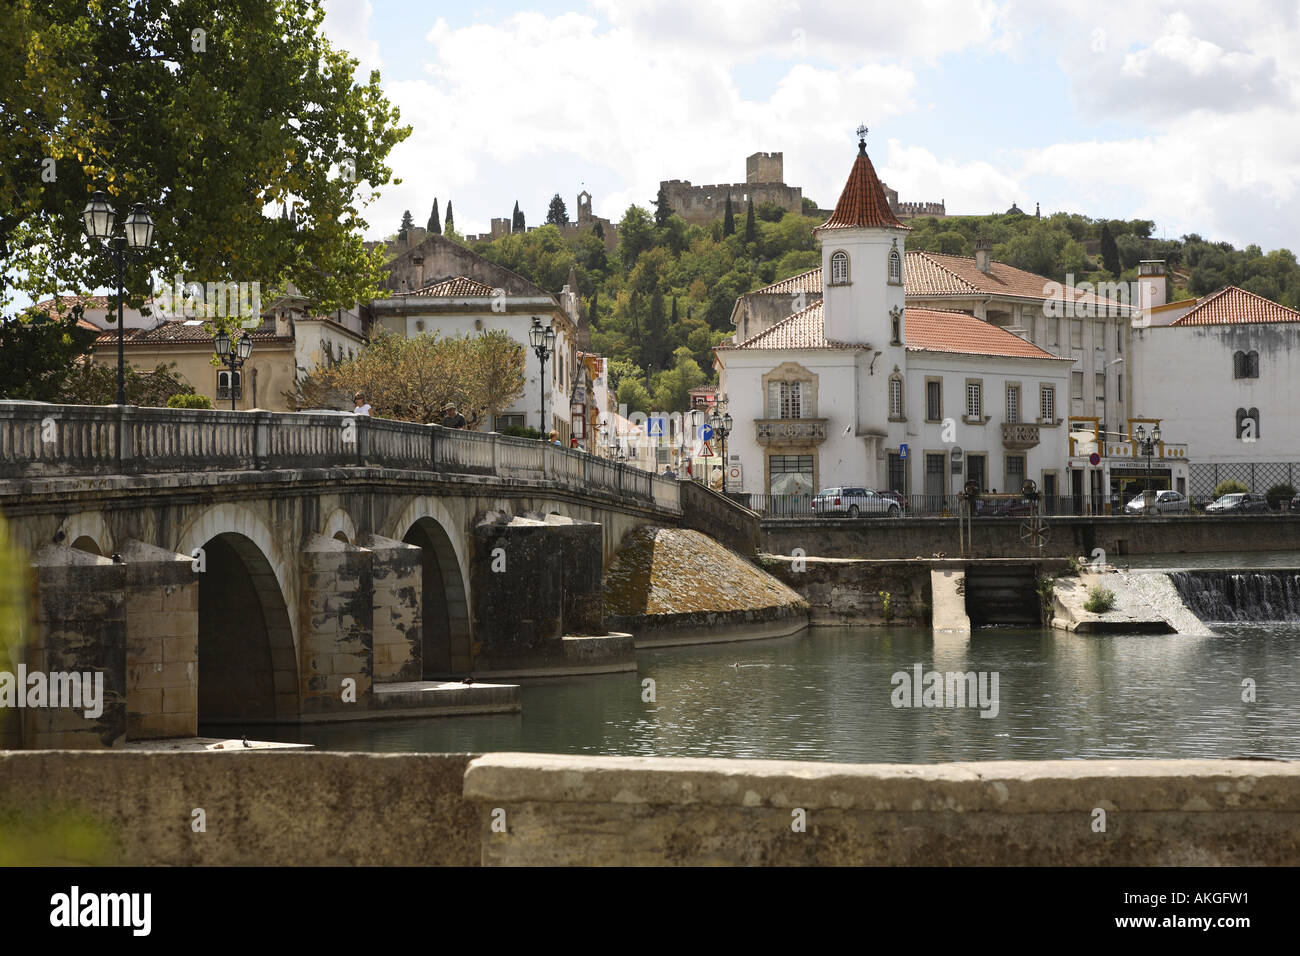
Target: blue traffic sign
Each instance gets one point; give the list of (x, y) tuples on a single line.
[(902, 452), (654, 427), (706, 432)]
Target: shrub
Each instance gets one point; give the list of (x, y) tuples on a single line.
[(886, 605), (1100, 600), (1279, 496), (521, 431), (1230, 486), (189, 401)]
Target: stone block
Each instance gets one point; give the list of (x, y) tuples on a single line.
[(143, 650), (163, 675), (180, 700), (180, 649)]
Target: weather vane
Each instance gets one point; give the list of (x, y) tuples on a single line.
[(862, 132)]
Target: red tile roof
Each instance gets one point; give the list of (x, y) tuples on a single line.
[(181, 333), (65, 302), (1232, 306), (863, 201), (932, 330), (810, 281), (928, 330), (457, 286)]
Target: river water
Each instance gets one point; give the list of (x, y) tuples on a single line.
[(829, 693)]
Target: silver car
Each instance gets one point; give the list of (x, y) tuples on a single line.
[(854, 502), (1166, 503)]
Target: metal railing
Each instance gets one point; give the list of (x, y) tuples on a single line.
[(38, 440)]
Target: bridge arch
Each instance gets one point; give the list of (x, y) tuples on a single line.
[(88, 531), (339, 522), (446, 631), (247, 665)]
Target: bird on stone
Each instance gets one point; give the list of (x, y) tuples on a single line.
[(246, 743), (468, 680)]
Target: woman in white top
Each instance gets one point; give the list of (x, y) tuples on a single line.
[(362, 408)]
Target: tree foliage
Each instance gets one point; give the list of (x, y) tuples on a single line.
[(214, 114), (38, 353), (556, 213), (517, 220), (433, 226), (411, 379)]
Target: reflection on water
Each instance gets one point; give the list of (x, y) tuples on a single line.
[(825, 695)]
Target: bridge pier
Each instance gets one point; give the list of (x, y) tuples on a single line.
[(162, 643), (396, 573), (336, 627)]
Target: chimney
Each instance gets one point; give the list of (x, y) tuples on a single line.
[(419, 272), (283, 324), (1151, 283), (983, 247)]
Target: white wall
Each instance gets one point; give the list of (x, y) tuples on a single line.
[(1184, 376), (922, 436)]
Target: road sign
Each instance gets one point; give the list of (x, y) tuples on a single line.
[(654, 427), (706, 432), (704, 451), (1094, 459), (902, 452), (957, 453)]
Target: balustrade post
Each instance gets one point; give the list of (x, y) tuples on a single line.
[(125, 439), (496, 470), (261, 439), (363, 439)]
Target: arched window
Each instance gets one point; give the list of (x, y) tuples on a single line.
[(896, 395), (1252, 364), (839, 268), (1239, 364), (895, 266)]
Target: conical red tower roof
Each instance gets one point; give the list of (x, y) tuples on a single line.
[(863, 201)]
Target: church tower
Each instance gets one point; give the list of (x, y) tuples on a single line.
[(862, 263)]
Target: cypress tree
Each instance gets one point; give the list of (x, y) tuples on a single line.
[(751, 227), (517, 221), (593, 311), (407, 223), (451, 224), (663, 209), (728, 219), (1109, 251), (434, 227)]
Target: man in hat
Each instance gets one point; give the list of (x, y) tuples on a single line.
[(451, 418)]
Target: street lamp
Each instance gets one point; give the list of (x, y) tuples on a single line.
[(543, 343), (137, 238), (1148, 451), (721, 425), (235, 359)]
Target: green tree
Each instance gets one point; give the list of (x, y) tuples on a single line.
[(517, 220), (264, 113), (633, 393), (1109, 251), (593, 309), (598, 231), (95, 383), (450, 221), (672, 387), (654, 347), (434, 226), (557, 214), (404, 229), (635, 235), (37, 354), (663, 208), (728, 219), (751, 227)]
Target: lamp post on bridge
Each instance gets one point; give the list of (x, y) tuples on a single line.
[(722, 427), (136, 239), (543, 343), (234, 360)]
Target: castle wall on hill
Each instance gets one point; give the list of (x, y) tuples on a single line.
[(701, 205)]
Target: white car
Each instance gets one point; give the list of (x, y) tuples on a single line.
[(854, 502), (1166, 503)]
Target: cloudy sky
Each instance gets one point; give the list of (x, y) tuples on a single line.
[(1179, 112)]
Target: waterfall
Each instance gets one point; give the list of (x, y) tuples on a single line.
[(1228, 595)]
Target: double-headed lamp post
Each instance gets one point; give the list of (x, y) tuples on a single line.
[(543, 343), (234, 359), (721, 425), (137, 237), (1148, 444)]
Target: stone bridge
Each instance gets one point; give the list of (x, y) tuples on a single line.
[(306, 561)]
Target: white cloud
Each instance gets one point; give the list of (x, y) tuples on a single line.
[(347, 26), (966, 187)]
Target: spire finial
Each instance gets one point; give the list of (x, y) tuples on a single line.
[(862, 139)]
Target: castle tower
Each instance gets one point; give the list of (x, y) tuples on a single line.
[(862, 261)]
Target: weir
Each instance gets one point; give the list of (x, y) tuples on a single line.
[(1239, 594)]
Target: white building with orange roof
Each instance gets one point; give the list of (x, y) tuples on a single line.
[(863, 388), (1221, 372)]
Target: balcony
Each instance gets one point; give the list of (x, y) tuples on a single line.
[(1019, 436), (790, 431)]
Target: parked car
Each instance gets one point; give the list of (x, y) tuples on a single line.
[(1166, 503), (901, 499), (1238, 503), (1002, 507), (854, 502), (1295, 503)]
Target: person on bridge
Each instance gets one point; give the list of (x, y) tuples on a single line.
[(451, 418), (554, 437), (362, 407)]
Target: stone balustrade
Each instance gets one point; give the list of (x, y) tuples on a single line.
[(43, 441)]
